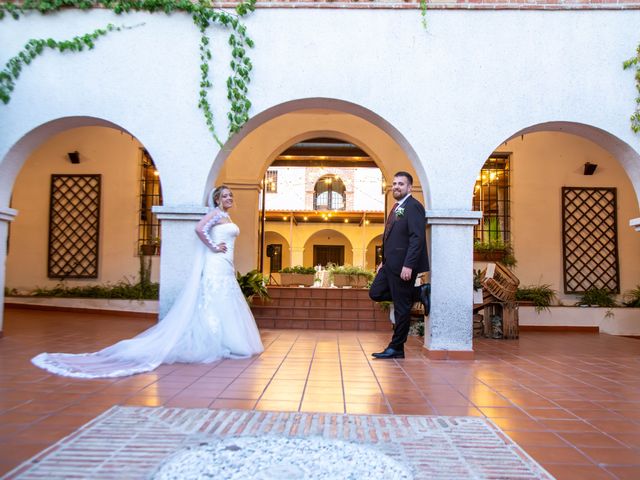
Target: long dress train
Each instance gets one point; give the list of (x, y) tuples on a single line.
[(209, 320)]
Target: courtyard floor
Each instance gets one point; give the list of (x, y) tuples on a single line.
[(570, 400)]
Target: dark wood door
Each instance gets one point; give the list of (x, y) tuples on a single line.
[(323, 254)]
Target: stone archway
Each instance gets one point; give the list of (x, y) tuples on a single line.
[(102, 151), (244, 160), (327, 238), (628, 157), (550, 156)]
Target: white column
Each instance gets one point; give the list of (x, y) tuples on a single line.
[(297, 255), (6, 215), (179, 240), (635, 223), (359, 259), (448, 329)]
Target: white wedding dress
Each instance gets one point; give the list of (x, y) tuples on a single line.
[(209, 320)]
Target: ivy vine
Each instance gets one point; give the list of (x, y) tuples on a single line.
[(35, 47), (203, 13), (634, 62), (423, 13)]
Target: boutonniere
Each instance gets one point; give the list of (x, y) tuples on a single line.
[(399, 212)]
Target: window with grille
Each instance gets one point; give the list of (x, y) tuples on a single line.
[(590, 239), (271, 180), (491, 197), (74, 226), (150, 196), (329, 194)]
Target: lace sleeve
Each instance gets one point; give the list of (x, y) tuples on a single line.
[(206, 228)]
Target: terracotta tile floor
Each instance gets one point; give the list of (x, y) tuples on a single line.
[(571, 400)]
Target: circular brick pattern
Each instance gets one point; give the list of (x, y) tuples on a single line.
[(271, 458)]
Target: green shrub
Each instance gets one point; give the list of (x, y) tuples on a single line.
[(299, 269), (385, 305), (542, 296), (600, 297), (508, 258), (253, 283), (632, 297), (350, 270), (491, 246), (123, 290), (417, 328)]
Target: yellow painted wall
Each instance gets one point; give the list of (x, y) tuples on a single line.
[(543, 163), (304, 235), (105, 151)]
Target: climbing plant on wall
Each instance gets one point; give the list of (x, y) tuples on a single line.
[(203, 14), (634, 62), (423, 13)]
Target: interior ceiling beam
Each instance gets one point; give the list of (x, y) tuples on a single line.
[(322, 216), (318, 152), (310, 161)]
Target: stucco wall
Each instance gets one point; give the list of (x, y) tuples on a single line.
[(443, 99), (452, 93)]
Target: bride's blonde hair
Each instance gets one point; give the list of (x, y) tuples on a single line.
[(214, 196)]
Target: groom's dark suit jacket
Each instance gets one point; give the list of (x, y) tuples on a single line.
[(405, 242)]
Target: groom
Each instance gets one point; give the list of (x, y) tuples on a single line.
[(404, 255)]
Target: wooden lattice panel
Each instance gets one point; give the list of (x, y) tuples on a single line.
[(74, 220), (590, 239)]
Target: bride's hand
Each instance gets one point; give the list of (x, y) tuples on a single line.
[(220, 248)]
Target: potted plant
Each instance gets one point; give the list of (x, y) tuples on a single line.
[(297, 275), (253, 284), (346, 275), (632, 298), (150, 247), (494, 251), (540, 296), (596, 297)]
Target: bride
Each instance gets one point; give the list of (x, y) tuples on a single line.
[(209, 320)]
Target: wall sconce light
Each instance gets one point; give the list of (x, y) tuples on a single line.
[(590, 168), (74, 157)]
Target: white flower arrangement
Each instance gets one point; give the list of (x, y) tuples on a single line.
[(400, 212)]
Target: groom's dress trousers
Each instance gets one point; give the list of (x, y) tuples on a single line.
[(404, 245)]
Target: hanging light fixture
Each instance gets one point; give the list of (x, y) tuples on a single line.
[(590, 168), (74, 157)]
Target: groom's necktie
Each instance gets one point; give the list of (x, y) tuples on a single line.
[(390, 219)]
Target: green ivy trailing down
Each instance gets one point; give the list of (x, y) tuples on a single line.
[(237, 83), (203, 14), (635, 62), (423, 13), (33, 48)]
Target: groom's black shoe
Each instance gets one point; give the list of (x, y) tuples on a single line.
[(389, 353), (425, 298)]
